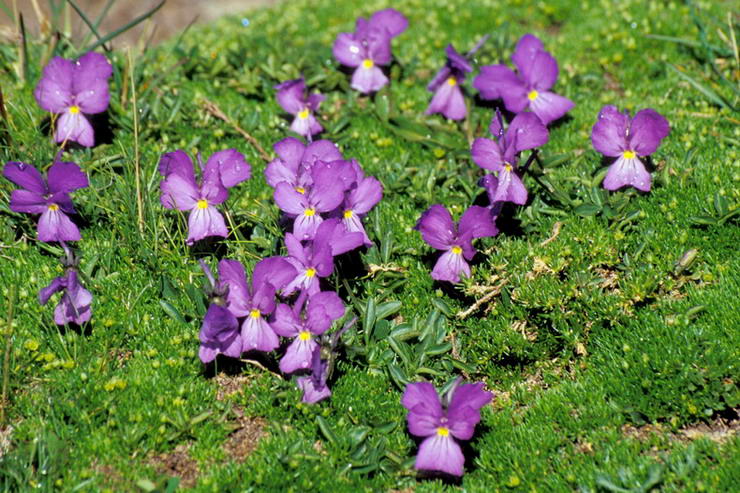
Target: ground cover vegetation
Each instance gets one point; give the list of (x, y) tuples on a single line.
[(603, 324)]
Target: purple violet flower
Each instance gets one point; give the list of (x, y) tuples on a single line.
[(368, 47), (628, 139), (295, 161), (219, 334), (359, 199), (74, 305), (441, 422), (73, 90), (323, 308), (316, 259), (538, 71), (448, 96), (526, 131), (181, 191), (292, 98), (314, 386), (438, 231), (50, 198)]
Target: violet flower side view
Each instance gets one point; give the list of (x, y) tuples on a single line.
[(440, 232), (448, 95), (369, 47), (314, 385), (616, 135), (49, 197), (75, 304), (440, 422), (526, 131), (530, 88), (291, 96), (72, 90), (180, 189), (219, 332)]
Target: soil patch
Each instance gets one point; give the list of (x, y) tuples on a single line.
[(177, 463)]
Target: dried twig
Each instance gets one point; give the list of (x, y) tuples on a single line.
[(213, 109), (494, 291), (555, 232)]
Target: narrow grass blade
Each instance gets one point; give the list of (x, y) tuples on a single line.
[(125, 28), (689, 42), (86, 21), (707, 92)]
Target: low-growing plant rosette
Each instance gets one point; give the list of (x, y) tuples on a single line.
[(73, 90), (49, 197), (630, 140), (440, 422)]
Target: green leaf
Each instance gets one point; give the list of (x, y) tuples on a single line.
[(123, 29), (710, 94), (387, 309), (326, 430), (171, 311), (587, 210)]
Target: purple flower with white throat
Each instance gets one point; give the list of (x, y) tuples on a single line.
[(74, 305), (526, 131), (441, 422), (295, 161), (323, 308), (291, 95), (628, 139), (181, 191), (368, 47), (358, 201), (448, 96), (50, 197), (74, 89), (439, 231), (530, 89)]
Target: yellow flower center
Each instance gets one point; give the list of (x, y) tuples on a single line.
[(202, 204), (53, 207), (451, 81), (443, 431), (74, 109), (255, 313), (310, 272), (304, 335), (303, 114), (456, 250), (300, 190), (348, 213), (309, 212), (533, 95), (367, 63), (629, 154), (508, 167)]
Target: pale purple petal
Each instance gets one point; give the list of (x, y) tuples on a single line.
[(274, 270), (448, 100), (90, 83), (549, 106), (74, 306), (378, 45), (514, 92), (290, 95), (609, 133), (26, 176), (436, 227), (314, 100), (367, 80), (295, 248), (390, 19), (492, 79), (312, 392), (177, 162), (462, 422), (510, 189), (231, 273), (28, 202), (332, 239), (89, 66), (369, 191), (212, 188), (349, 50), (306, 224), (456, 60), (204, 222), (330, 174), (477, 222), (178, 192), (54, 225), (57, 284), (66, 177), (74, 127), (307, 125), (323, 304), (647, 129), (543, 72), (440, 78), (627, 172), (54, 91), (257, 334), (320, 150), (422, 398), (525, 52), (298, 355), (450, 266), (353, 223), (285, 322), (219, 334), (232, 166), (526, 131), (487, 154), (440, 453)]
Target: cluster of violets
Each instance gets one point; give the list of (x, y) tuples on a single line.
[(323, 198)]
